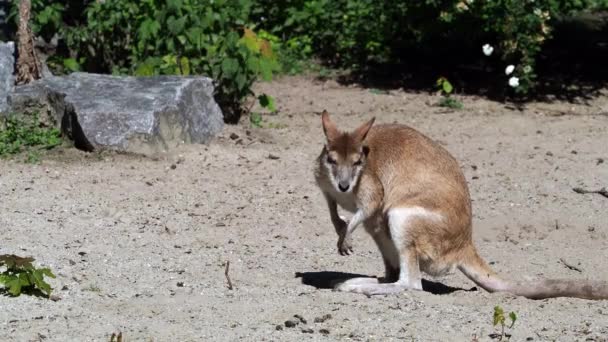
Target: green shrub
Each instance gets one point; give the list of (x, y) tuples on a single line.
[(360, 33), (232, 40)]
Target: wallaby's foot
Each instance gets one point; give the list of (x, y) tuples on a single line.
[(373, 289), (354, 281), (345, 245)]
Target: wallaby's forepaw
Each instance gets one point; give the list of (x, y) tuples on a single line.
[(345, 245)]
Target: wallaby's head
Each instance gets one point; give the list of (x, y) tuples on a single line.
[(345, 153)]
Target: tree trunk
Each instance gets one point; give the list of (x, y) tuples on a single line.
[(28, 66)]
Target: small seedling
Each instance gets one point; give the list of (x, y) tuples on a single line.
[(500, 319), (116, 337), (255, 119), (20, 276), (267, 102), (446, 89)]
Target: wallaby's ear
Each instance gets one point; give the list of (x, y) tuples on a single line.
[(361, 132), (329, 128)]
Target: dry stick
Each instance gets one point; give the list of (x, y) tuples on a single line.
[(227, 275), (602, 191), (570, 266)]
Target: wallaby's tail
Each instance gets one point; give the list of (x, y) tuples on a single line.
[(476, 269)]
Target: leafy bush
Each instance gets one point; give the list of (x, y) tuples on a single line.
[(360, 33), (19, 275), (237, 41), (17, 135)]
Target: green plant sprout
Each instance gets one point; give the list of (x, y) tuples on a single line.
[(446, 89), (500, 318), (20, 276)]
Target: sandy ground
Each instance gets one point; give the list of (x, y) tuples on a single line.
[(139, 245)]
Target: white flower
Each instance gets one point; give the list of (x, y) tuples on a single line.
[(487, 49), (509, 69), (514, 82)]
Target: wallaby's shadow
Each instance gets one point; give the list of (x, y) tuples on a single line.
[(327, 280)]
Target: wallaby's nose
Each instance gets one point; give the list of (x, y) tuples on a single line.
[(343, 188)]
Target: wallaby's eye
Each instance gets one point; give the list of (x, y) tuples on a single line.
[(358, 162), (331, 160)]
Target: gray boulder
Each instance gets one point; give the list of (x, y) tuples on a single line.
[(7, 70), (134, 114)]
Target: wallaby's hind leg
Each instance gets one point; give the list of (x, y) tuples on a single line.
[(389, 253), (400, 220)]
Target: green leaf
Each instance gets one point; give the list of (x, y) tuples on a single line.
[(266, 68), (447, 87), (176, 26), (144, 69), (71, 64), (230, 66), (499, 315), (267, 101), (14, 287), (148, 29), (185, 66), (513, 318), (255, 119)]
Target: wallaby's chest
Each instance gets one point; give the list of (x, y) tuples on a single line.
[(346, 200)]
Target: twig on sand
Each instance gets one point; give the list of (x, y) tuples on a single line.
[(570, 266), (227, 275), (602, 191)]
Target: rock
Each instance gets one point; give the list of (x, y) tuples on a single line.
[(133, 114), (290, 324), (7, 70)]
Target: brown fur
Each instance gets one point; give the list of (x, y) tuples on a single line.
[(402, 168)]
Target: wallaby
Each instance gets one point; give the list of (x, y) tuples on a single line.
[(412, 198)]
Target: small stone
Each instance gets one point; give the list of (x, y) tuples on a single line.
[(322, 318), (278, 327), (180, 284), (173, 166), (273, 156), (234, 136), (64, 288), (574, 152), (549, 153), (290, 324), (324, 331), (82, 253), (600, 160), (300, 318), (307, 331)]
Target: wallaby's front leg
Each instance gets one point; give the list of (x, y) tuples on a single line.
[(336, 220), (344, 240)]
